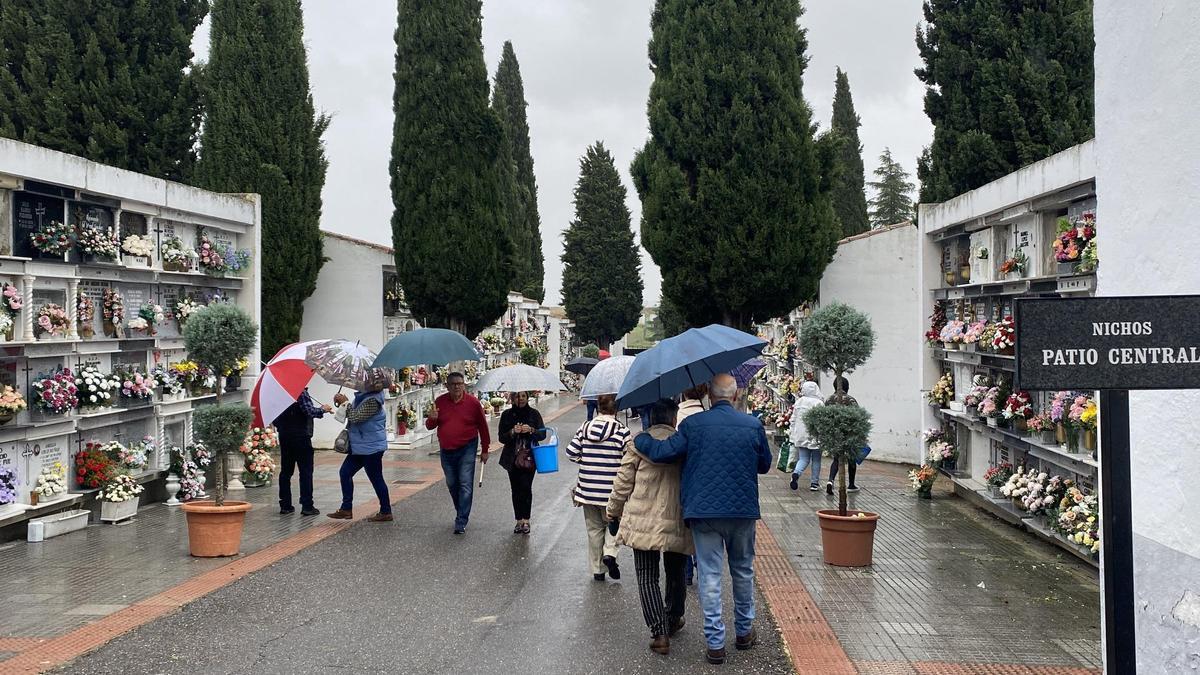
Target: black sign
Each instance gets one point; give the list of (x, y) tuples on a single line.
[(1108, 343), (30, 212)]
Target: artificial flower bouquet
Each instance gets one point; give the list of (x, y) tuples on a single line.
[(177, 256), (85, 315), (8, 486), (937, 321), (259, 440), (942, 392), (112, 307), (184, 309), (56, 394), (51, 321), (1073, 237), (1083, 412), (921, 480), (980, 385), (1006, 336), (1078, 519), (94, 388), (167, 379), (782, 421), (102, 242), (52, 481), (997, 476), (136, 386), (137, 245), (952, 334), (6, 324), (93, 466), (973, 333), (11, 296), (148, 318), (941, 452), (125, 459), (1018, 408), (11, 402), (990, 404), (52, 238), (120, 488), (242, 365), (1018, 263)]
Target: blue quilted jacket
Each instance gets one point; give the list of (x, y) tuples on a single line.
[(723, 452)]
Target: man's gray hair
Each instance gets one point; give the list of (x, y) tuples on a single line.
[(723, 387)]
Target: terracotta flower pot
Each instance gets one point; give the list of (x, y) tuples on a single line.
[(847, 541), (215, 531)]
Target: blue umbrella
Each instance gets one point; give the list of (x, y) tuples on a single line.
[(746, 372), (684, 361), (433, 346)]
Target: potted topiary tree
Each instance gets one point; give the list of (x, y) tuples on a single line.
[(591, 351), (839, 338), (218, 337)]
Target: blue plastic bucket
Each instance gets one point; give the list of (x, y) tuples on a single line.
[(545, 452)]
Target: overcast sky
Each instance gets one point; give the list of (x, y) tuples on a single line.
[(586, 78)]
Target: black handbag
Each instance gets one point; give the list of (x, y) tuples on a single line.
[(341, 444), (524, 457)]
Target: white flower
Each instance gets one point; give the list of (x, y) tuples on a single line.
[(92, 398)]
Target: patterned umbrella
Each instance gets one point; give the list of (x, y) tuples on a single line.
[(341, 362), (289, 372), (746, 372)]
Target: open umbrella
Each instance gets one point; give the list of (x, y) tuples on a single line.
[(581, 365), (434, 346), (519, 377), (684, 361), (606, 377), (340, 362), (746, 372)]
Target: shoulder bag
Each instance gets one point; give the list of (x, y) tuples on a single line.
[(341, 444), (524, 457)]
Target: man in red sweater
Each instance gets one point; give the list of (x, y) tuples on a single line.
[(461, 426)]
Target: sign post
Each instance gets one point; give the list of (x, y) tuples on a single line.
[(1112, 345)]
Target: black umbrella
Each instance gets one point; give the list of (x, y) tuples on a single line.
[(580, 365)]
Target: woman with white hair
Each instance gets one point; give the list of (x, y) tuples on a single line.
[(366, 420)]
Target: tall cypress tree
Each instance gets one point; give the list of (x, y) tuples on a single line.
[(849, 198), (262, 134), (735, 197), (105, 80), (1029, 93), (508, 100), (893, 193), (602, 279), (450, 223)]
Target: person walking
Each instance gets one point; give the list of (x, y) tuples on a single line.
[(366, 420), (645, 503), (804, 444), (520, 426), (693, 402), (841, 396), (598, 447), (461, 431), (295, 427), (723, 453)]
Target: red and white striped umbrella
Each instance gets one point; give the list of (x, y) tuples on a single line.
[(280, 383)]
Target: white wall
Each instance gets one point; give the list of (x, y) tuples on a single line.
[(1148, 134), (877, 273)]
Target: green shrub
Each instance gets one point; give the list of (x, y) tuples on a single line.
[(837, 337), (590, 351), (219, 335), (530, 356), (222, 428)]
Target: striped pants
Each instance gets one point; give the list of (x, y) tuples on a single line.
[(659, 617)]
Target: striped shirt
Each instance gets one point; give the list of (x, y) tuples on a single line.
[(597, 447)]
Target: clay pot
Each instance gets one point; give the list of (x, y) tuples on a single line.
[(847, 541), (215, 531)]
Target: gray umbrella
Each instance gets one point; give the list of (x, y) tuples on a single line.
[(518, 378)]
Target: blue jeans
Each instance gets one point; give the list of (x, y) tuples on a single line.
[(374, 467), (459, 466), (804, 457), (591, 409), (713, 538)]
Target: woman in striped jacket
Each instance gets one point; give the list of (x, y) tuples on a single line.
[(598, 447)]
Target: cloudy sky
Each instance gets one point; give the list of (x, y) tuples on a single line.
[(586, 78)]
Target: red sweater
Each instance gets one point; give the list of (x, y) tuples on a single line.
[(459, 423)]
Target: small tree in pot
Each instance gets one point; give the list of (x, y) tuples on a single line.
[(839, 338), (218, 337)]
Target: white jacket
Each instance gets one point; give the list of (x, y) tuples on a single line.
[(810, 397)]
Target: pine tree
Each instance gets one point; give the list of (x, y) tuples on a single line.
[(105, 80), (736, 208), (508, 100), (849, 198), (893, 193), (1008, 84), (450, 222), (262, 134), (602, 280)]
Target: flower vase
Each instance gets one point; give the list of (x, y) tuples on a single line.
[(950, 346), (1021, 424), (964, 273), (1089, 439), (111, 330), (1060, 433), (173, 489), (87, 332), (1072, 440), (7, 417), (1065, 268), (950, 278), (1049, 436), (925, 493), (234, 461), (33, 497), (993, 422), (174, 266), (402, 428)]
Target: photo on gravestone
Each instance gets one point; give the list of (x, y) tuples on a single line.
[(50, 319), (93, 292), (93, 225), (135, 297), (31, 212), (169, 297), (50, 457)]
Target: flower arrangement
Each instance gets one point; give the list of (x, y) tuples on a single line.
[(138, 245), (1040, 422), (934, 434), (240, 367), (149, 316), (52, 480), (259, 467), (782, 421), (1017, 263), (113, 307), (1017, 485), (94, 389), (210, 257), (99, 241), (988, 336), (997, 476), (125, 459), (1078, 518), (177, 254), (1060, 404), (93, 466), (1073, 237), (57, 394), (989, 405), (1044, 493), (51, 320), (11, 401), (259, 440), (120, 488), (168, 380), (12, 298), (186, 372), (979, 389), (974, 332), (1018, 406), (1083, 412), (921, 480), (85, 314), (52, 238), (6, 323), (952, 332), (1006, 336), (942, 392), (144, 449), (235, 260), (1089, 260), (184, 309), (940, 451), (8, 486), (136, 386)]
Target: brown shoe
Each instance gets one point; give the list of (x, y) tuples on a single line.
[(676, 626), (746, 641), (661, 644), (381, 518), (341, 514), (715, 656)]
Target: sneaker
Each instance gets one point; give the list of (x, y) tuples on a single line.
[(381, 518), (852, 488), (746, 641), (341, 514), (460, 530), (814, 487), (661, 644), (715, 656), (795, 482), (286, 510), (829, 488), (310, 512), (614, 570)]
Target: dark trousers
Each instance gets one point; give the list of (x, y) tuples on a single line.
[(657, 615), (295, 452), (833, 471), (591, 409), (521, 483), (373, 464)]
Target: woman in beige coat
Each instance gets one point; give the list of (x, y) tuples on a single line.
[(645, 499)]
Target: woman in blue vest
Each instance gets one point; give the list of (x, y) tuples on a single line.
[(366, 421)]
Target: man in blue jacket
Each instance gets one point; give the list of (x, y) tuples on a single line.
[(723, 453)]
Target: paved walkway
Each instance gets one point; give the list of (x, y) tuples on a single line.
[(311, 594)]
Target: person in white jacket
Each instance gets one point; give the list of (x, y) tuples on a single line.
[(803, 444)]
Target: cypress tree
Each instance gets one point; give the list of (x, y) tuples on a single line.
[(602, 280), (849, 198), (450, 224), (262, 134), (893, 193), (735, 197), (1007, 84), (508, 100), (108, 81)]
